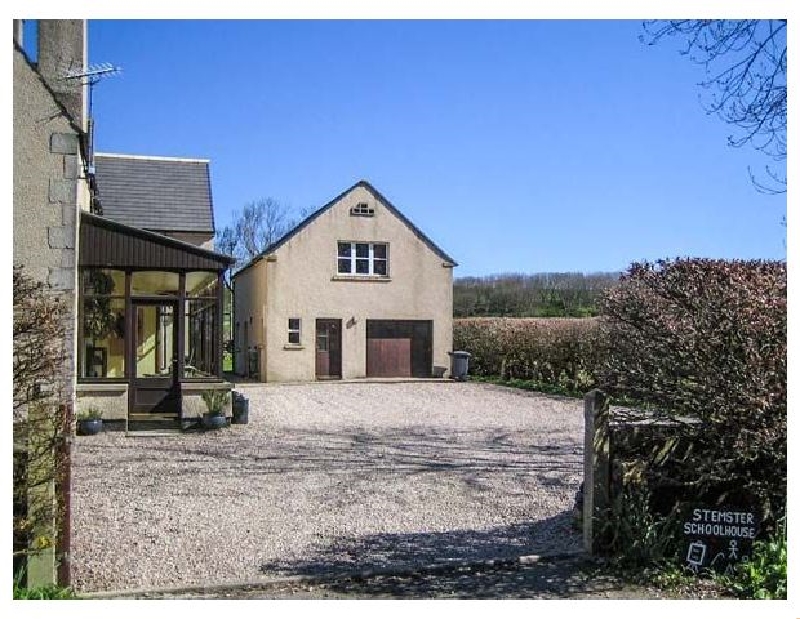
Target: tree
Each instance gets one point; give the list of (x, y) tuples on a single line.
[(255, 228), (745, 63)]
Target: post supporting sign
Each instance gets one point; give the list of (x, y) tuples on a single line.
[(718, 538)]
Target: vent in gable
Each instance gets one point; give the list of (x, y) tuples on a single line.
[(362, 209)]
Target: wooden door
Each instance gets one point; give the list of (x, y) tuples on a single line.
[(328, 345)]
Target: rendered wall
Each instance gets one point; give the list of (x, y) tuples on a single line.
[(250, 294), (302, 282)]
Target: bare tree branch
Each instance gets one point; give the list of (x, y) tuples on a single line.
[(745, 63)]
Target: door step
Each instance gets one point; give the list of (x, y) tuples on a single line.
[(153, 421)]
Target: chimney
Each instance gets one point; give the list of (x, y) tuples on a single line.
[(18, 32), (62, 48)]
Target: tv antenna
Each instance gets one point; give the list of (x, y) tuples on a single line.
[(91, 76)]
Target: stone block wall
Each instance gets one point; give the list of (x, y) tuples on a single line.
[(614, 440)]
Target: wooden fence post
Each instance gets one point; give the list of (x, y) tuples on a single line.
[(596, 498)]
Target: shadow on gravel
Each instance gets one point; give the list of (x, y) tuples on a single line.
[(358, 453), (564, 579), (342, 554)]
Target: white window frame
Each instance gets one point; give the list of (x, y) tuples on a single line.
[(290, 331), (370, 258), (362, 209)]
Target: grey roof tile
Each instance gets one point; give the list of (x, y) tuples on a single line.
[(156, 193)]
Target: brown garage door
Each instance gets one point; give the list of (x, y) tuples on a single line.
[(399, 348)]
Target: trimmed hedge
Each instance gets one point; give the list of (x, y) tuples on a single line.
[(563, 353), (707, 339)]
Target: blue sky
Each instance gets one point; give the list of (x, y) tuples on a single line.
[(518, 146)]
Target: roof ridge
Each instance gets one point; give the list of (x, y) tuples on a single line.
[(371, 188), (151, 157)]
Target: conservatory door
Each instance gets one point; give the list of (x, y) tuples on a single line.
[(155, 398)]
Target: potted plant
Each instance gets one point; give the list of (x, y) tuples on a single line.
[(90, 422), (215, 400)]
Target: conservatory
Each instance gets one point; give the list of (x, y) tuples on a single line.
[(149, 325)]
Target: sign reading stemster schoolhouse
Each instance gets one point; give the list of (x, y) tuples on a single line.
[(718, 537)]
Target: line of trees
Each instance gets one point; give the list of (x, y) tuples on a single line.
[(537, 294)]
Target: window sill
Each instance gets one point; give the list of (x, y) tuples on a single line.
[(88, 387), (293, 347), (188, 385), (361, 278)]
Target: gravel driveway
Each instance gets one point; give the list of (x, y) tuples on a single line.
[(328, 477)]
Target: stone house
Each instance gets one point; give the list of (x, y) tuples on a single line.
[(126, 242), (355, 290), (49, 188), (49, 165)]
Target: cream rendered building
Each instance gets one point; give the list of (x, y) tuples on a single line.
[(354, 291)]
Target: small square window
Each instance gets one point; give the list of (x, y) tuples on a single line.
[(294, 331)]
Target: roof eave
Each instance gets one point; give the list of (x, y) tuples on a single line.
[(161, 238)]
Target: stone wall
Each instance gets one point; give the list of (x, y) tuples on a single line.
[(615, 439), (47, 162)]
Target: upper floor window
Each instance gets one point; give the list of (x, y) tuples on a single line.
[(362, 259)]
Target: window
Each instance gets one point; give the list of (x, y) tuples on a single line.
[(199, 361), (294, 331), (362, 209), (362, 259), (200, 319), (154, 283), (201, 284), (102, 336)]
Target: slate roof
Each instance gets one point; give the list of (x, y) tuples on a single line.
[(165, 194), (369, 187)]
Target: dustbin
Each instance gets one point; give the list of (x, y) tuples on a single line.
[(240, 408), (459, 364)]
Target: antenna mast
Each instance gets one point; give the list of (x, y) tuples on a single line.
[(90, 77)]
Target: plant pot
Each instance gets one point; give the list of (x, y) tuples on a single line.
[(87, 427), (212, 421)]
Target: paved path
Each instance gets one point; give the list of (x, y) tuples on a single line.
[(330, 477)]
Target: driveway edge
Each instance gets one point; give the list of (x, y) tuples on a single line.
[(356, 574)]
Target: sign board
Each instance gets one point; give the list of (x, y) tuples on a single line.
[(717, 538)]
